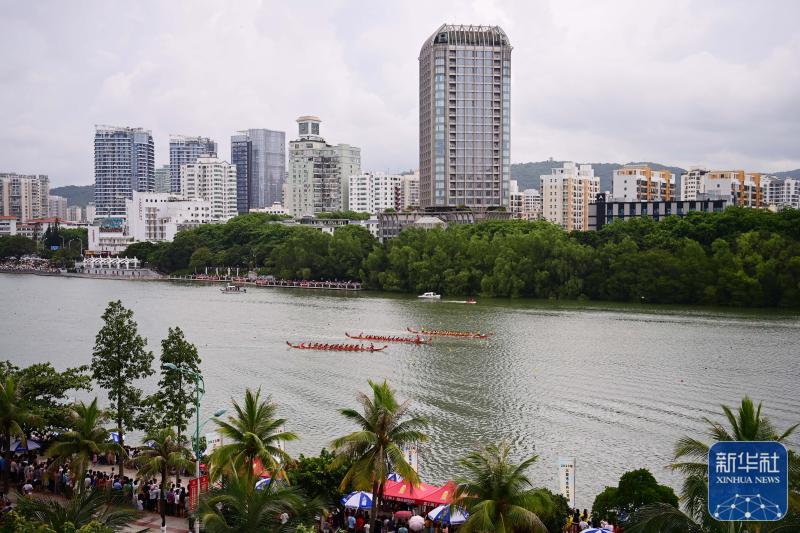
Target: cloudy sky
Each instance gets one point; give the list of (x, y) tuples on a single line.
[(676, 81)]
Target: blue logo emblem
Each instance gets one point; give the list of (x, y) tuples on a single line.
[(748, 481)]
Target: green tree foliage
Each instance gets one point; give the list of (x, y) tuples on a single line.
[(86, 437), (739, 257), (349, 215), (173, 405), (251, 433), (635, 489), (120, 358), (87, 511), (16, 246), (14, 415), (498, 494), (44, 392), (375, 449), (318, 477), (554, 516)]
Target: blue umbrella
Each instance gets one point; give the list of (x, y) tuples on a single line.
[(115, 436), (358, 500), (596, 530), (394, 476), (442, 514), (262, 483), (18, 447)]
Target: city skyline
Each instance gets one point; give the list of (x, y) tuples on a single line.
[(619, 82)]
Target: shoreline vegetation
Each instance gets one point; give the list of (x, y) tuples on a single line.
[(739, 258)]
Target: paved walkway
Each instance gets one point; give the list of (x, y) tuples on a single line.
[(152, 522)]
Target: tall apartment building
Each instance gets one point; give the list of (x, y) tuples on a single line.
[(183, 150), (373, 192), (464, 117), (157, 217), (566, 195), (640, 183), (213, 180), (407, 192), (525, 205), (89, 212), (57, 207), (75, 213), (260, 159), (319, 173), (784, 193), (743, 189), (124, 161), (24, 197), (163, 179)]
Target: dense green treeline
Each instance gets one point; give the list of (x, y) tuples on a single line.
[(741, 257)]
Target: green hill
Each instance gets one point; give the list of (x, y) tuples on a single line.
[(75, 194)]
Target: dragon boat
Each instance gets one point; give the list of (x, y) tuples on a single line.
[(449, 333), (333, 347), (388, 338)]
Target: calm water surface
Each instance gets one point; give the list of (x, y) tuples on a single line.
[(613, 386)]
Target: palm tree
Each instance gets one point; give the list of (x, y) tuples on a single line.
[(162, 454), (691, 459), (86, 506), (251, 433), (237, 507), (376, 449), (86, 438), (13, 415), (498, 495)]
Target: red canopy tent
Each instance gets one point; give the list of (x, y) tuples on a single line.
[(424, 494)]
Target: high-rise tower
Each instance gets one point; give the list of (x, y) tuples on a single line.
[(464, 117), (124, 161)]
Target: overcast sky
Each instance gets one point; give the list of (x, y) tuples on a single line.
[(677, 82)]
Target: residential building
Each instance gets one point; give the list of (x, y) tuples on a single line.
[(319, 173), (516, 200), (567, 193), (89, 212), (57, 207), (24, 196), (784, 193), (464, 117), (743, 189), (158, 217), (640, 183), (109, 236), (603, 212), (75, 213), (373, 192), (392, 223), (274, 209), (214, 180), (163, 180), (184, 149), (124, 161), (260, 159), (408, 192), (8, 225), (531, 204)]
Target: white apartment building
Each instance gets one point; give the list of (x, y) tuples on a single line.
[(57, 207), (408, 191), (112, 239), (275, 209), (784, 193), (318, 179), (516, 200), (158, 217), (531, 204), (640, 183), (214, 180), (567, 193), (74, 213), (8, 225), (374, 192), (24, 197), (743, 189), (88, 213)]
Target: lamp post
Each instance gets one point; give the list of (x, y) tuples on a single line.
[(199, 391)]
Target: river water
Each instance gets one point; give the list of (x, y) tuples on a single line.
[(613, 386)]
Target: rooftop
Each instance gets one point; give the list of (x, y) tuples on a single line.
[(470, 35)]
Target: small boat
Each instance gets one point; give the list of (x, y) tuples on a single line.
[(232, 288), (471, 301), (430, 296), (336, 347), (389, 338), (449, 333)]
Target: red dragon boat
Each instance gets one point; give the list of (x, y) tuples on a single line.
[(334, 347), (449, 333), (388, 338)]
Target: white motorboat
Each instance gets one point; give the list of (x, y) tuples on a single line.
[(232, 289), (430, 296)]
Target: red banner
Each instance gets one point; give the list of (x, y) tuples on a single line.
[(194, 496)]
